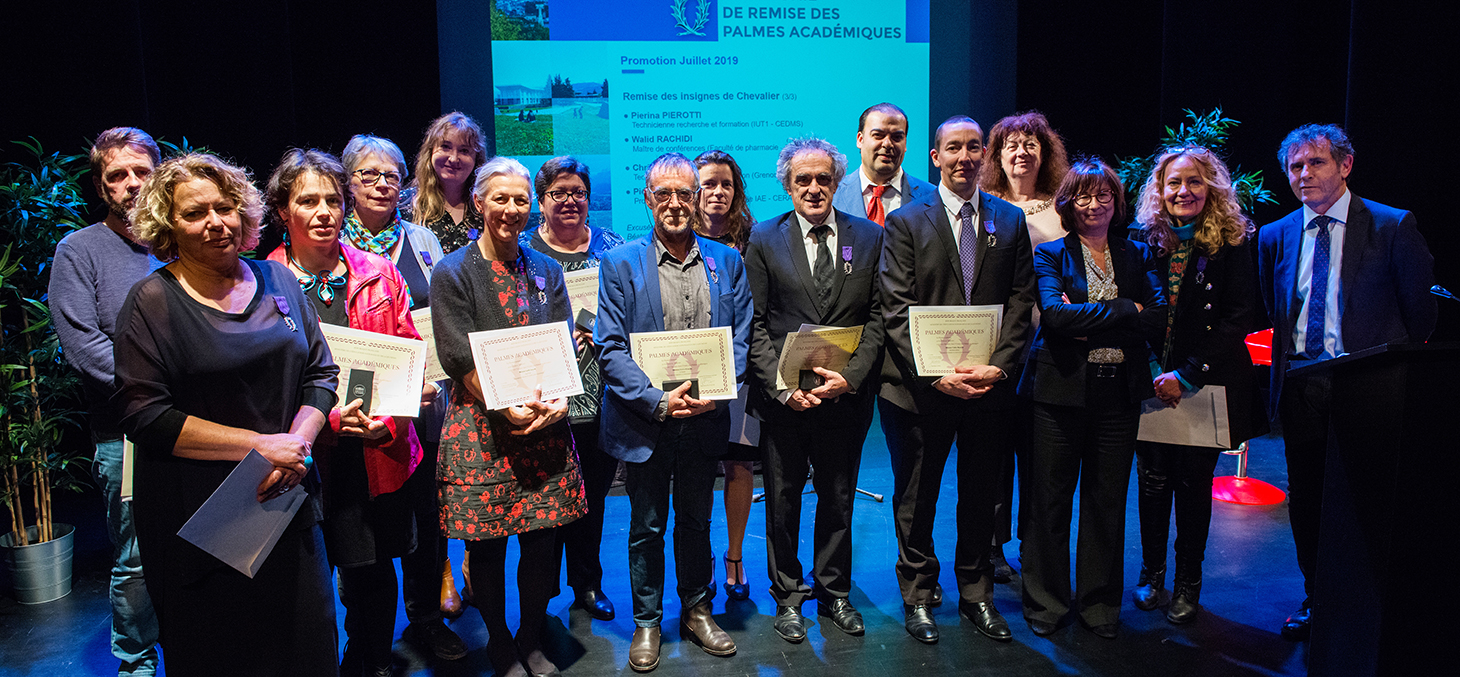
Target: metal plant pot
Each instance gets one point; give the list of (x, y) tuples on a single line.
[(41, 572)]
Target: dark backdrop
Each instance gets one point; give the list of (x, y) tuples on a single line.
[(250, 80)]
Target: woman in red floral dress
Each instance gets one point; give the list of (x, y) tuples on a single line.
[(510, 471)]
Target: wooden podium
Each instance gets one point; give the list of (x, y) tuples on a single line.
[(1386, 598)]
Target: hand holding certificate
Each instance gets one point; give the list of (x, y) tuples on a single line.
[(703, 355), (830, 348), (525, 364), (398, 365), (945, 338)]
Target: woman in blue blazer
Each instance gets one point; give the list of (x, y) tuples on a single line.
[(1101, 307)]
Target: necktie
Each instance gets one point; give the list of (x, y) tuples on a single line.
[(1318, 291), (875, 211), (967, 247), (823, 270)]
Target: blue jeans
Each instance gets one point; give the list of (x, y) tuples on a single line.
[(134, 624)]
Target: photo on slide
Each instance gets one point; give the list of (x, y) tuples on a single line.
[(550, 101)]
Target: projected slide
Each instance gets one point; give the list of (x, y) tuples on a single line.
[(616, 83)]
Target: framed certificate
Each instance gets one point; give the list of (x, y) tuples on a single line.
[(583, 289), (707, 355), (947, 337), (399, 365), (422, 320), (514, 362), (826, 347)]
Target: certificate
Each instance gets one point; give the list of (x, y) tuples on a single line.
[(947, 337), (399, 365), (1200, 420), (704, 354), (422, 319), (514, 362), (583, 289), (829, 348)]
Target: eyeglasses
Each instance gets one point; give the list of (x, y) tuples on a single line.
[(563, 195), (685, 195), (1103, 197), (368, 177), (804, 180)]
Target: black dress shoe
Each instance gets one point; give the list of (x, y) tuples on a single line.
[(437, 638), (1299, 625), (937, 597), (1185, 602), (919, 623), (987, 619), (597, 605), (790, 624), (1041, 628), (843, 615), (1105, 630)]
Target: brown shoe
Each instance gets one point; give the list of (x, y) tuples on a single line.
[(644, 649), (451, 606), (699, 626)]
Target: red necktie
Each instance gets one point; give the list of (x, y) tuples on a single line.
[(874, 206)]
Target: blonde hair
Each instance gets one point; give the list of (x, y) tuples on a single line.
[(430, 203), (1221, 221), (152, 218)]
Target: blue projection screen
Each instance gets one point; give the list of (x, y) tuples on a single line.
[(616, 83)]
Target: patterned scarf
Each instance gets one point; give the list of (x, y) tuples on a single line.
[(381, 244), (1173, 282)]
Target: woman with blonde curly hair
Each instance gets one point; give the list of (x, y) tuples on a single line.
[(217, 355), (1188, 212), (439, 198)]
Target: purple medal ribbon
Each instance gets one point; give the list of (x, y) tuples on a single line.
[(283, 305), (710, 263), (847, 259)]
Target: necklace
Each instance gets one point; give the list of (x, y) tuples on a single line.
[(324, 283), (1038, 207)]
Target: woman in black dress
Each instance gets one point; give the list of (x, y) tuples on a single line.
[(217, 355)]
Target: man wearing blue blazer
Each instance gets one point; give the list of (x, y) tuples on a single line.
[(813, 265), (1339, 275), (668, 280), (956, 246), (880, 186)]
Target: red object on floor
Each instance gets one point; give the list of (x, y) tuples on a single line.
[(1259, 346), (1246, 491)]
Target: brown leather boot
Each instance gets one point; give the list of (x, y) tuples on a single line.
[(451, 606), (644, 649), (697, 625)]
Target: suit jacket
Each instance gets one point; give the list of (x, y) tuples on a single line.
[(921, 267), (1057, 369), (848, 197), (629, 302), (785, 297), (1383, 286)]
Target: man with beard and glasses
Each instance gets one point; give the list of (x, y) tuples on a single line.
[(93, 270)]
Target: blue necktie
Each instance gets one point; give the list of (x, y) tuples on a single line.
[(1317, 291), (967, 247)]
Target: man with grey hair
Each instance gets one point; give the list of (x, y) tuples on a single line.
[(879, 186), (92, 272), (813, 265), (668, 280)]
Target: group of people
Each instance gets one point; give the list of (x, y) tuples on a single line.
[(200, 355)]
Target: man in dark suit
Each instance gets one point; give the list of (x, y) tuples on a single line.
[(1339, 275), (813, 265), (953, 247), (668, 280), (880, 187)]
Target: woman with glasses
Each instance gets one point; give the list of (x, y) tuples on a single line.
[(1189, 214), (564, 188), (1102, 309), (439, 196), (725, 212)]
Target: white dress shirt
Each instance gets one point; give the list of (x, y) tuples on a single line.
[(891, 195), (954, 205), (1332, 315)]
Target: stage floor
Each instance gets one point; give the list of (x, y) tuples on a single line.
[(1251, 584)]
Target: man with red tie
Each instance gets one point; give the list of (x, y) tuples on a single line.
[(880, 185)]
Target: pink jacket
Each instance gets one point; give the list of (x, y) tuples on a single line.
[(376, 301)]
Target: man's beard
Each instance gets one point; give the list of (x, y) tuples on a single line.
[(120, 208)]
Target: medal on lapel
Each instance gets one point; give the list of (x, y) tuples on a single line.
[(541, 288), (988, 227), (847, 259), (1201, 269), (710, 263), (283, 305)]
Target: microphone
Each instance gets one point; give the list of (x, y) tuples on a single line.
[(1442, 292)]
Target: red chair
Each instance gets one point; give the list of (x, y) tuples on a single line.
[(1240, 488)]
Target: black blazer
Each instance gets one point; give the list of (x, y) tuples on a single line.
[(1056, 371), (1216, 308), (920, 267), (785, 297)]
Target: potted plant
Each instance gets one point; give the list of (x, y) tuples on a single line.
[(1209, 130), (40, 203)]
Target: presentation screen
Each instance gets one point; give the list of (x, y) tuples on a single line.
[(618, 83)]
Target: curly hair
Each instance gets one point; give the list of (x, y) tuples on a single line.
[(1086, 177), (430, 202), (1053, 162), (1221, 221), (152, 218), (738, 221), (295, 163)]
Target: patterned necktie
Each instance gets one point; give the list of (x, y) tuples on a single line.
[(823, 271), (875, 212), (967, 247), (1317, 291)]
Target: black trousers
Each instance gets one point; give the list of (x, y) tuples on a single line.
[(920, 445), (579, 541), (1304, 408), (793, 442), (534, 587), (1170, 473), (421, 569), (1091, 447), (368, 595)]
